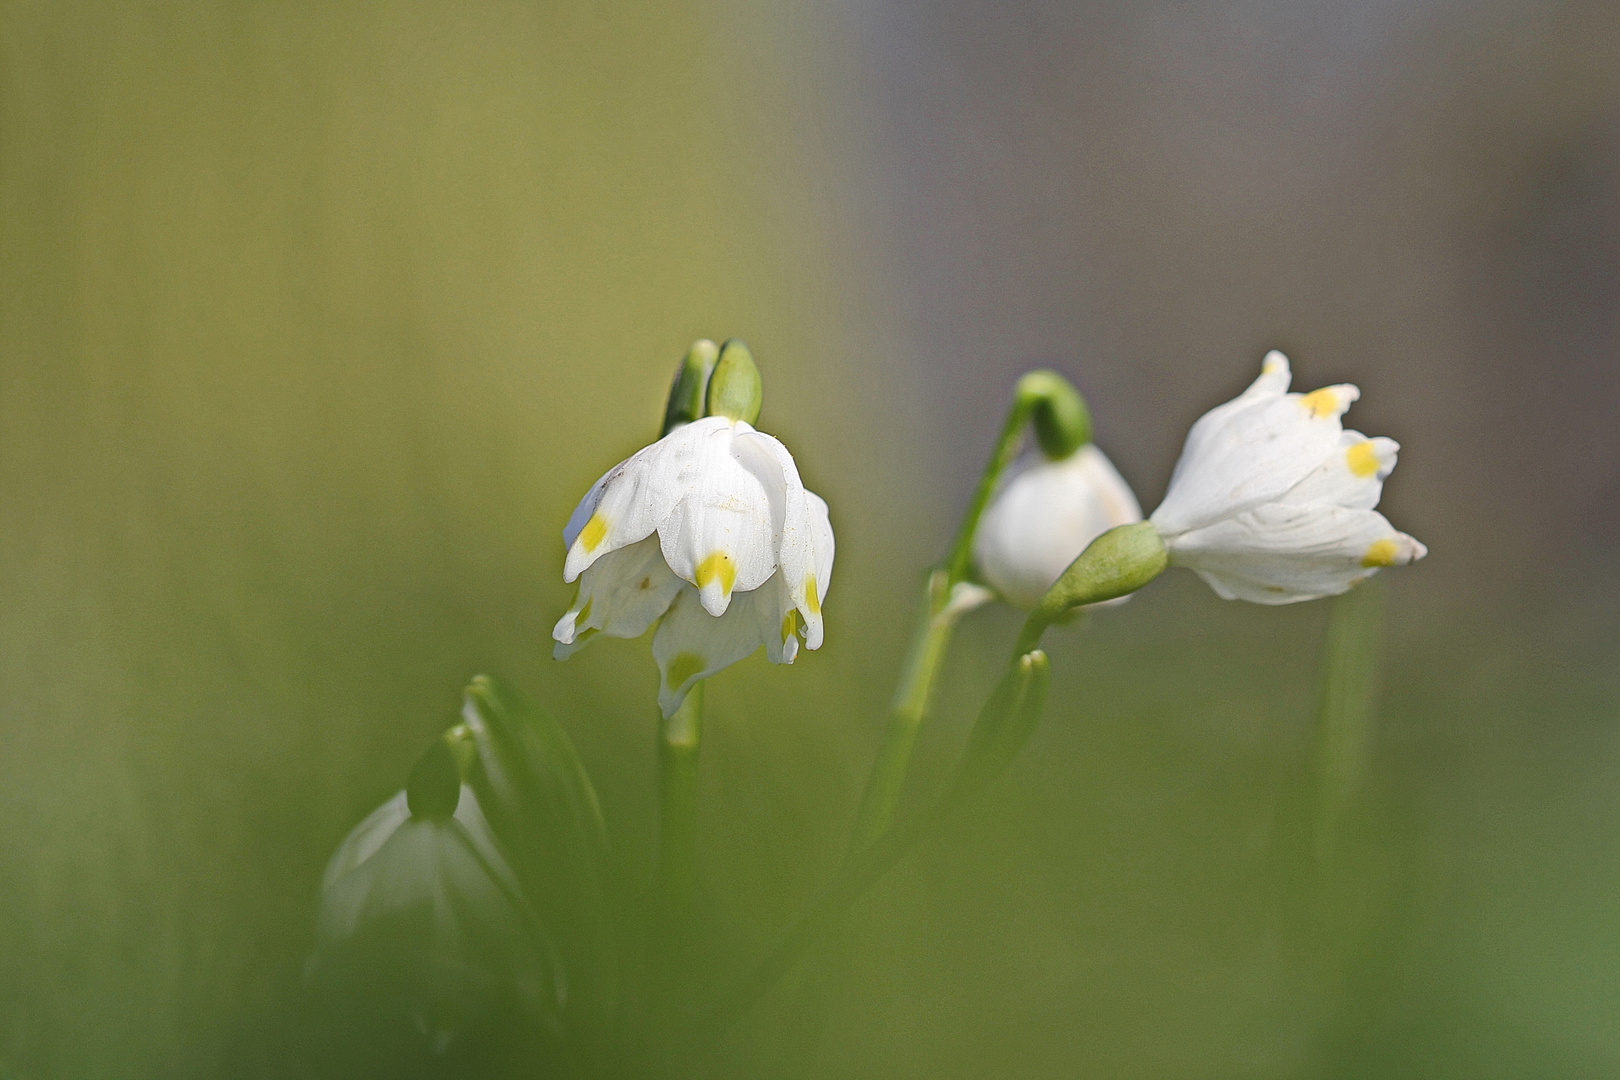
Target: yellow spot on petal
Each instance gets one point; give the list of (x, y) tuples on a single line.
[(812, 602), (1362, 460), (717, 567), (1321, 403), (790, 623), (686, 665), (584, 613), (1379, 553), (593, 532)]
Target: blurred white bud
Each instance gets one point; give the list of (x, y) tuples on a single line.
[(425, 910)]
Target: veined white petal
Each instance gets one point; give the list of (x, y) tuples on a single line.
[(722, 533), (1273, 381), (620, 595), (1044, 515), (691, 644), (636, 496), (1237, 459), (1352, 476), (1281, 553)]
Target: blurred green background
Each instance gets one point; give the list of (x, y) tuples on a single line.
[(316, 319)]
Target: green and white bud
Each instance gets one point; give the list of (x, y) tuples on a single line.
[(1053, 501), (422, 917), (1062, 422), (735, 390), (1116, 564), (689, 394)]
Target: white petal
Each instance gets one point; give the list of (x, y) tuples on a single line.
[(722, 533), (1044, 516), (1237, 459), (1282, 553), (620, 595), (812, 586), (691, 644), (1353, 475), (635, 496), (365, 838)]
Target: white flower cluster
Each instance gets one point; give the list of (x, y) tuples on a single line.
[(710, 529), (1272, 502)]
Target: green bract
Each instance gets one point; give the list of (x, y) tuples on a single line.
[(735, 391)]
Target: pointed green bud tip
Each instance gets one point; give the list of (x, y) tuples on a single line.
[(689, 393), (735, 390), (434, 787), (1117, 563), (1062, 422)]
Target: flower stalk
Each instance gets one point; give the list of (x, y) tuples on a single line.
[(1062, 424)]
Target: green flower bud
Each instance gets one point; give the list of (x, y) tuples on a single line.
[(735, 390), (1117, 563), (1062, 423), (434, 788), (689, 393)]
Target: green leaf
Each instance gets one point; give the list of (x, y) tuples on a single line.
[(543, 809)]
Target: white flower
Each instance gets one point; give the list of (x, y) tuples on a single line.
[(1272, 500), (1042, 518), (711, 525), (430, 910)]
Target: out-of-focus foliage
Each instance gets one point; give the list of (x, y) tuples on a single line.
[(316, 319)]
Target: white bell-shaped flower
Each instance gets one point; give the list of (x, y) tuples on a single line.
[(711, 524), (1272, 500), (1044, 515), (426, 911)]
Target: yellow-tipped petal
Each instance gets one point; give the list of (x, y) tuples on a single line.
[(1362, 459), (593, 532), (1379, 553), (717, 567)]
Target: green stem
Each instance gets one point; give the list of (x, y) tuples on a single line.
[(960, 562), (677, 829), (935, 628), (1004, 725), (1344, 720), (928, 647)]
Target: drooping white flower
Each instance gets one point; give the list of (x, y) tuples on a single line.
[(712, 525), (1042, 518), (427, 912), (1272, 500)]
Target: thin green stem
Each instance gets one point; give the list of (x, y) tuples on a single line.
[(960, 562), (932, 639), (1004, 725), (676, 884), (1344, 720), (677, 811), (928, 647)]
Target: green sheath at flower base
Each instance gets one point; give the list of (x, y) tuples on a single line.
[(434, 788), (1058, 412), (688, 396), (1117, 563), (735, 390)]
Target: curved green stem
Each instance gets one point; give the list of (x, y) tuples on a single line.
[(1004, 725), (928, 647), (1039, 394)]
